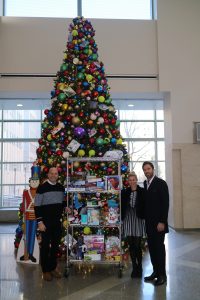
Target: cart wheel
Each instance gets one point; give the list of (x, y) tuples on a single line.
[(120, 272), (66, 273)]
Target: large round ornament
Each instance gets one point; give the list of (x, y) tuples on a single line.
[(79, 132), (101, 99)]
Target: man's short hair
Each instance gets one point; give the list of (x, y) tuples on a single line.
[(147, 163)]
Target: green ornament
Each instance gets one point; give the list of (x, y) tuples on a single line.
[(74, 32), (80, 75), (63, 67), (117, 123), (99, 141), (44, 125), (86, 51), (108, 101), (61, 97), (94, 56)]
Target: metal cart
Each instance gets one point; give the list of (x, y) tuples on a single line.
[(71, 227)]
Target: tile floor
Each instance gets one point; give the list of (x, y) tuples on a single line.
[(19, 281)]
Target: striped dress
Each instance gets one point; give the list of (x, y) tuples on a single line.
[(132, 225)]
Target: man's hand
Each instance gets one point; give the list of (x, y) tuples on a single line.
[(41, 226), (160, 227)]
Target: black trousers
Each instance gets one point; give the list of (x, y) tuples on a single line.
[(135, 251), (49, 247), (157, 251)]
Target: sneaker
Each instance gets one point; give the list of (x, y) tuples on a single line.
[(55, 273), (47, 276)]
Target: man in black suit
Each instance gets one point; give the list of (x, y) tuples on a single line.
[(156, 209)]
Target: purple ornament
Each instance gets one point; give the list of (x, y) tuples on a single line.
[(79, 132)]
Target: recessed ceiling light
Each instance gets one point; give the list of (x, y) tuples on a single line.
[(131, 105), (19, 105)]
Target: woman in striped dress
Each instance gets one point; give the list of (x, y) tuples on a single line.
[(133, 226)]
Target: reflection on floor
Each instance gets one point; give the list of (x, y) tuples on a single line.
[(18, 281)]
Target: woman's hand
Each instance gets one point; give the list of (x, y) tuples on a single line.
[(160, 227), (41, 226)]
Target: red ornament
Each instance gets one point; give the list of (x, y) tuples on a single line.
[(81, 114), (46, 111), (92, 140), (39, 150), (101, 130), (95, 94), (59, 152), (46, 170), (68, 118)]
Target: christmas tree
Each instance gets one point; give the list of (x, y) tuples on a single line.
[(82, 121)]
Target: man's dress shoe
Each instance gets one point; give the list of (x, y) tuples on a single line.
[(160, 280), (150, 277)]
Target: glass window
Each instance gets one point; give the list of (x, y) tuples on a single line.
[(136, 115), (16, 173), (141, 151), (161, 150), (161, 170), (160, 130), (22, 114), (137, 130), (112, 9), (160, 115), (13, 130), (19, 151), (12, 195), (136, 166), (44, 8)]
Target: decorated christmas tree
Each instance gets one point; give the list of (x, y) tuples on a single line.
[(82, 121)]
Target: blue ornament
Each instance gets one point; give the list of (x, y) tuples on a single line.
[(113, 140), (52, 93), (99, 88), (85, 84), (124, 168)]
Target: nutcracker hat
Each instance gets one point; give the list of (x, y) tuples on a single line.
[(35, 172)]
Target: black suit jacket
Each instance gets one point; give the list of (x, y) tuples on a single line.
[(156, 204), (139, 204)]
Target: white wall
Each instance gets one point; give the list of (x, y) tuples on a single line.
[(179, 64), (36, 45)]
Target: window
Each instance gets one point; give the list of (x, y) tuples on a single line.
[(116, 9), (112, 9), (142, 127), (38, 8), (21, 130)]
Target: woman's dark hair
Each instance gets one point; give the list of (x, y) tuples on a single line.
[(147, 163)]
